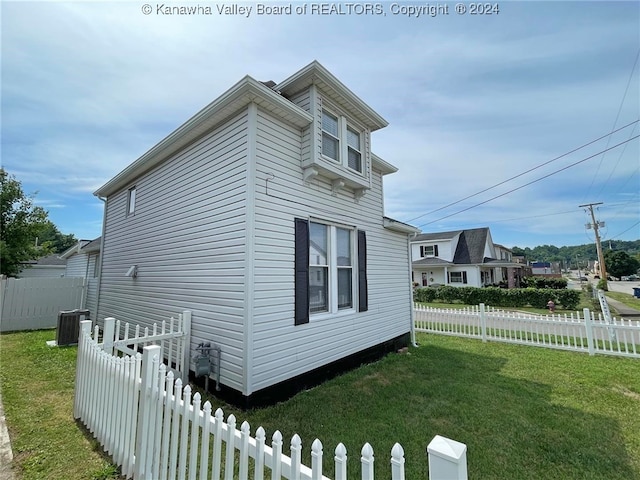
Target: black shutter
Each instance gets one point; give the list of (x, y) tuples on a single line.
[(301, 271), (363, 293), (464, 277), (421, 251), (435, 250)]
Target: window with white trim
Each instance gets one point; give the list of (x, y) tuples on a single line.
[(331, 268), (429, 251), (131, 201), (457, 277), (341, 141)]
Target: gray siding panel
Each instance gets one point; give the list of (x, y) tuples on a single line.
[(280, 349), (187, 238), (76, 266)]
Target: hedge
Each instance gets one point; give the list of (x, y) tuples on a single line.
[(543, 282), (499, 297)]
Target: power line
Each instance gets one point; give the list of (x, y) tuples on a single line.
[(530, 183), (617, 163), (525, 172), (615, 121), (622, 233)]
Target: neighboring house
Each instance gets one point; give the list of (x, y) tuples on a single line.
[(51, 266), (82, 260), (466, 258), (263, 215), (546, 269)]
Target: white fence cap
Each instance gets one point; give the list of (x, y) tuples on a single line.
[(446, 448)]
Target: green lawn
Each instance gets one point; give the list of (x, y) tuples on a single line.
[(524, 412), (626, 298)]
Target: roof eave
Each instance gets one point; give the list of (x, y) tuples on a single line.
[(396, 226), (315, 73), (245, 91)]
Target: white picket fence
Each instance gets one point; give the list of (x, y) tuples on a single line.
[(34, 303), (584, 333), (154, 428), (173, 336)]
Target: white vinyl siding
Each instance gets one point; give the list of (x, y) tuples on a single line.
[(282, 350), (76, 265), (187, 239)]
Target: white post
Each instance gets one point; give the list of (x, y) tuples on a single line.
[(148, 378), (108, 333), (589, 328), (186, 346), (447, 459), (483, 322), (81, 366)]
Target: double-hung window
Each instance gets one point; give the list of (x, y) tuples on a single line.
[(457, 277), (341, 141), (330, 269), (429, 251), (330, 136)]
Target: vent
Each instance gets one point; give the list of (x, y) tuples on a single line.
[(69, 326)]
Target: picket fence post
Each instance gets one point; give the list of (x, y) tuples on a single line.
[(588, 325), (108, 333), (148, 378), (447, 459), (483, 322)]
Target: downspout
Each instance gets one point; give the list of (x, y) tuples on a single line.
[(413, 323), (101, 258)]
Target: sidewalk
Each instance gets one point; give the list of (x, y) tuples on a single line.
[(623, 310), (6, 455)]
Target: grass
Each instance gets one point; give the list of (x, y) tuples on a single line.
[(37, 394), (628, 299), (524, 412)]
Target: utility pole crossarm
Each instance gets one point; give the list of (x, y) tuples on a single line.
[(596, 226)]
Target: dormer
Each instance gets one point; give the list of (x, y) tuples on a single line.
[(337, 144)]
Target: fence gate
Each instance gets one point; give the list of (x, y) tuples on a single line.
[(173, 336)]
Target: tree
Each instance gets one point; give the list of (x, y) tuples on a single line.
[(620, 263), (21, 222), (52, 239)]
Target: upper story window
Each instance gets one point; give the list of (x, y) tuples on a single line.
[(354, 153), (429, 250), (341, 142), (330, 136), (131, 201)]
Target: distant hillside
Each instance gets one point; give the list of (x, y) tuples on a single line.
[(567, 255)]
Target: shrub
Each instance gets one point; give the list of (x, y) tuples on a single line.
[(499, 297), (543, 282)]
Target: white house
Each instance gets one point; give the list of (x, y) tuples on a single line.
[(466, 258), (263, 214), (82, 260)]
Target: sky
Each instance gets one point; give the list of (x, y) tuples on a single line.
[(486, 111)]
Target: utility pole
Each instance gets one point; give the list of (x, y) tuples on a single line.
[(596, 226)]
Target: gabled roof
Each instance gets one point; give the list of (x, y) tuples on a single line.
[(73, 250), (244, 92), (92, 246), (53, 260), (471, 245), (315, 73)]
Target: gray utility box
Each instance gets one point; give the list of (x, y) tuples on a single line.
[(69, 326)]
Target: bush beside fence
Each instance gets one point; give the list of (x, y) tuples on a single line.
[(499, 297)]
